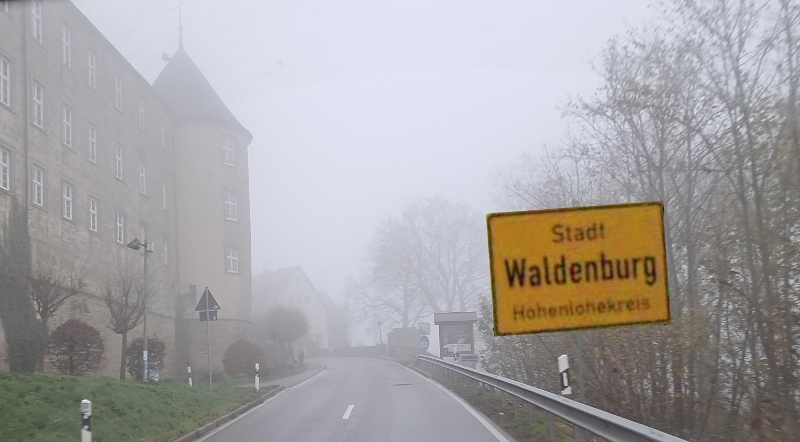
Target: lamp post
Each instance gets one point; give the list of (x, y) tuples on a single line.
[(136, 245)]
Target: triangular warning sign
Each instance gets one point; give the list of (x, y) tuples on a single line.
[(212, 303)]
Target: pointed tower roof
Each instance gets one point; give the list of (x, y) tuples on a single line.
[(187, 92)]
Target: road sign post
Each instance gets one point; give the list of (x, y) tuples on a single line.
[(208, 307), (579, 268), (424, 343)]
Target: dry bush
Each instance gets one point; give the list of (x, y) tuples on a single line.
[(241, 357), (76, 348)]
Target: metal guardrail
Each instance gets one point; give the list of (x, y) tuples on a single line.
[(606, 425)]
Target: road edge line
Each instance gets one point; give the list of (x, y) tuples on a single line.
[(489, 426), (199, 434), (208, 429)]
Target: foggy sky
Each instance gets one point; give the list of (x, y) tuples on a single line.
[(357, 107)]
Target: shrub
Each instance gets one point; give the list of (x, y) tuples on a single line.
[(241, 357), (75, 348), (156, 351)]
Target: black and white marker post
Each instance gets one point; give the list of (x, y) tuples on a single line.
[(86, 420), (257, 380), (563, 373)]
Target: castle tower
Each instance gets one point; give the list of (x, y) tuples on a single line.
[(213, 209)]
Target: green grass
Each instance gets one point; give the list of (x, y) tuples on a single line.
[(523, 425), (43, 407), (201, 380)]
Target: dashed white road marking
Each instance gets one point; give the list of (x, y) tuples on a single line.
[(347, 413)]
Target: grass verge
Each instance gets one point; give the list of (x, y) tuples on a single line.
[(45, 407), (519, 420)]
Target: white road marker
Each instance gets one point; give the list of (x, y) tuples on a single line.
[(347, 413)]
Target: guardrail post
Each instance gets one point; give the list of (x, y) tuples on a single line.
[(515, 404), (531, 416), (552, 426)]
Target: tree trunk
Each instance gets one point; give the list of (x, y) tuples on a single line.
[(122, 356), (45, 342)]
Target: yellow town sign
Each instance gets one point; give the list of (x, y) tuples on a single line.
[(578, 268)]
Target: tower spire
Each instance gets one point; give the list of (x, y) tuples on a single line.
[(180, 25)]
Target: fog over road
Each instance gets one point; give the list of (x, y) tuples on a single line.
[(362, 400)]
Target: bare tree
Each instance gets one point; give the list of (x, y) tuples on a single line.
[(432, 258), (51, 286), (700, 114), (125, 298)]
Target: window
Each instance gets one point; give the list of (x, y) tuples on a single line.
[(5, 165), (120, 228), (66, 193), (36, 9), (118, 92), (166, 254), (92, 214), (164, 194), (66, 46), (92, 143), (38, 105), (5, 82), (230, 206), (231, 260), (142, 178), (141, 114), (227, 152), (118, 161), (38, 186), (163, 136), (92, 69), (66, 126)]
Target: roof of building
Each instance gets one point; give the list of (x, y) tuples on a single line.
[(440, 318), (190, 96), (270, 285)]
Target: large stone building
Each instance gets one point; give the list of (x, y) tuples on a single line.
[(100, 157)]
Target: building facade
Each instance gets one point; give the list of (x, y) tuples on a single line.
[(291, 286), (99, 157)]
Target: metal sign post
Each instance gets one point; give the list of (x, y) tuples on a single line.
[(208, 307)]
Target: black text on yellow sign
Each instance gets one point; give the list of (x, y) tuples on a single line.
[(570, 269)]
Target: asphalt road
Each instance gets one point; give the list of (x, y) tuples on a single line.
[(362, 400)]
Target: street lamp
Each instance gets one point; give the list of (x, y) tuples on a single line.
[(136, 245)]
